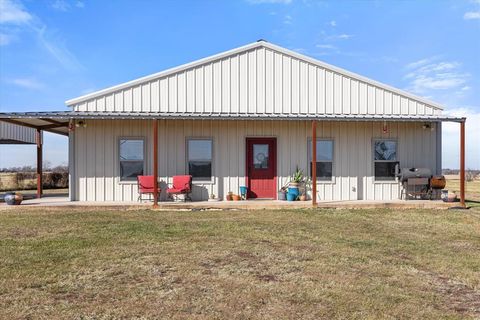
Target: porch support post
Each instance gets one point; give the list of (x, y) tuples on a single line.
[(314, 163), (39, 162), (155, 163), (462, 163)]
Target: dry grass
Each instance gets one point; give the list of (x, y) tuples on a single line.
[(240, 265), (472, 190)]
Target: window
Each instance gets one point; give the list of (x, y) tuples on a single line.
[(260, 156), (384, 159), (131, 159), (324, 159), (200, 159)]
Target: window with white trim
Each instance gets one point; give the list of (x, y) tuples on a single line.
[(384, 159), (324, 163), (131, 157), (200, 155)]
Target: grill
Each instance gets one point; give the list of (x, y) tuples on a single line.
[(419, 183)]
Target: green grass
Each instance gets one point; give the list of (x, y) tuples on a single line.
[(240, 264)]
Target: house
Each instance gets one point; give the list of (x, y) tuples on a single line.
[(247, 117)]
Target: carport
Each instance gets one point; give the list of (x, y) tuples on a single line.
[(30, 131)]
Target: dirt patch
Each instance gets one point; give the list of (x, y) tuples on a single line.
[(267, 277), (23, 233), (460, 297)]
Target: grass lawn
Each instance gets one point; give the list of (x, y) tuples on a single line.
[(240, 264)]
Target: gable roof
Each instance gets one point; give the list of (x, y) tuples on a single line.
[(246, 48)]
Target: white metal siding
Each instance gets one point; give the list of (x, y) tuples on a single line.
[(96, 155), (261, 81), (13, 132)]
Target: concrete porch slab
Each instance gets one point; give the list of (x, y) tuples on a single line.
[(63, 202)]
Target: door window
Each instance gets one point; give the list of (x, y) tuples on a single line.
[(260, 156)]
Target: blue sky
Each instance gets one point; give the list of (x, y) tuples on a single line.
[(54, 50)]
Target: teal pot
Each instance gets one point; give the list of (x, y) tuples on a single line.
[(291, 196), (294, 190)]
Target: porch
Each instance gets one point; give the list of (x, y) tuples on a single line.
[(53, 201)]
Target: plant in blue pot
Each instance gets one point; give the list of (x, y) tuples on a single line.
[(296, 179)]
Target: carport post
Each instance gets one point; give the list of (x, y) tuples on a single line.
[(39, 162), (314, 163), (155, 163), (462, 163)]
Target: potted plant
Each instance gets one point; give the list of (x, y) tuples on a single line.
[(295, 180), (307, 185)]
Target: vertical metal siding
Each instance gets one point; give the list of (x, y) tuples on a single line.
[(10, 131), (97, 172), (257, 81)]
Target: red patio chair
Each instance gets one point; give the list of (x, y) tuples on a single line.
[(181, 185), (145, 186)]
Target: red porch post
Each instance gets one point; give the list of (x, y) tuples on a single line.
[(39, 163), (462, 163), (155, 163), (314, 163)]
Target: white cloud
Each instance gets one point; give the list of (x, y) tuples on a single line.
[(343, 36), (418, 63), (288, 19), (333, 23), (451, 138), (426, 75), (269, 1), (60, 5), (28, 83), (326, 46), (80, 4), (13, 13), (471, 15)]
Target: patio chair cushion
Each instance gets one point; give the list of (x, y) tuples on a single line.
[(145, 184), (181, 184)]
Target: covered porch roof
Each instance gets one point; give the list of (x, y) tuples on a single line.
[(57, 121)]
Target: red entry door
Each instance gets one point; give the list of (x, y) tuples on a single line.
[(262, 168)]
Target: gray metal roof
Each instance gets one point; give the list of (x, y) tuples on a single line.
[(38, 120), (47, 120)]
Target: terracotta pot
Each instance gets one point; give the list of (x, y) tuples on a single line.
[(228, 197), (236, 197), (302, 198)]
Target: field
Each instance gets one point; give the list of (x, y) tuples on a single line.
[(472, 190), (310, 264)]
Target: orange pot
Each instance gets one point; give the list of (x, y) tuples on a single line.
[(236, 197)]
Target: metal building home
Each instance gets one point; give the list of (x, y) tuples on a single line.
[(248, 117)]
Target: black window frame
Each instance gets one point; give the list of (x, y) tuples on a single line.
[(143, 161), (187, 153), (392, 177), (321, 179)]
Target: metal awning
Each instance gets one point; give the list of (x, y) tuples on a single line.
[(57, 122), (42, 120)]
